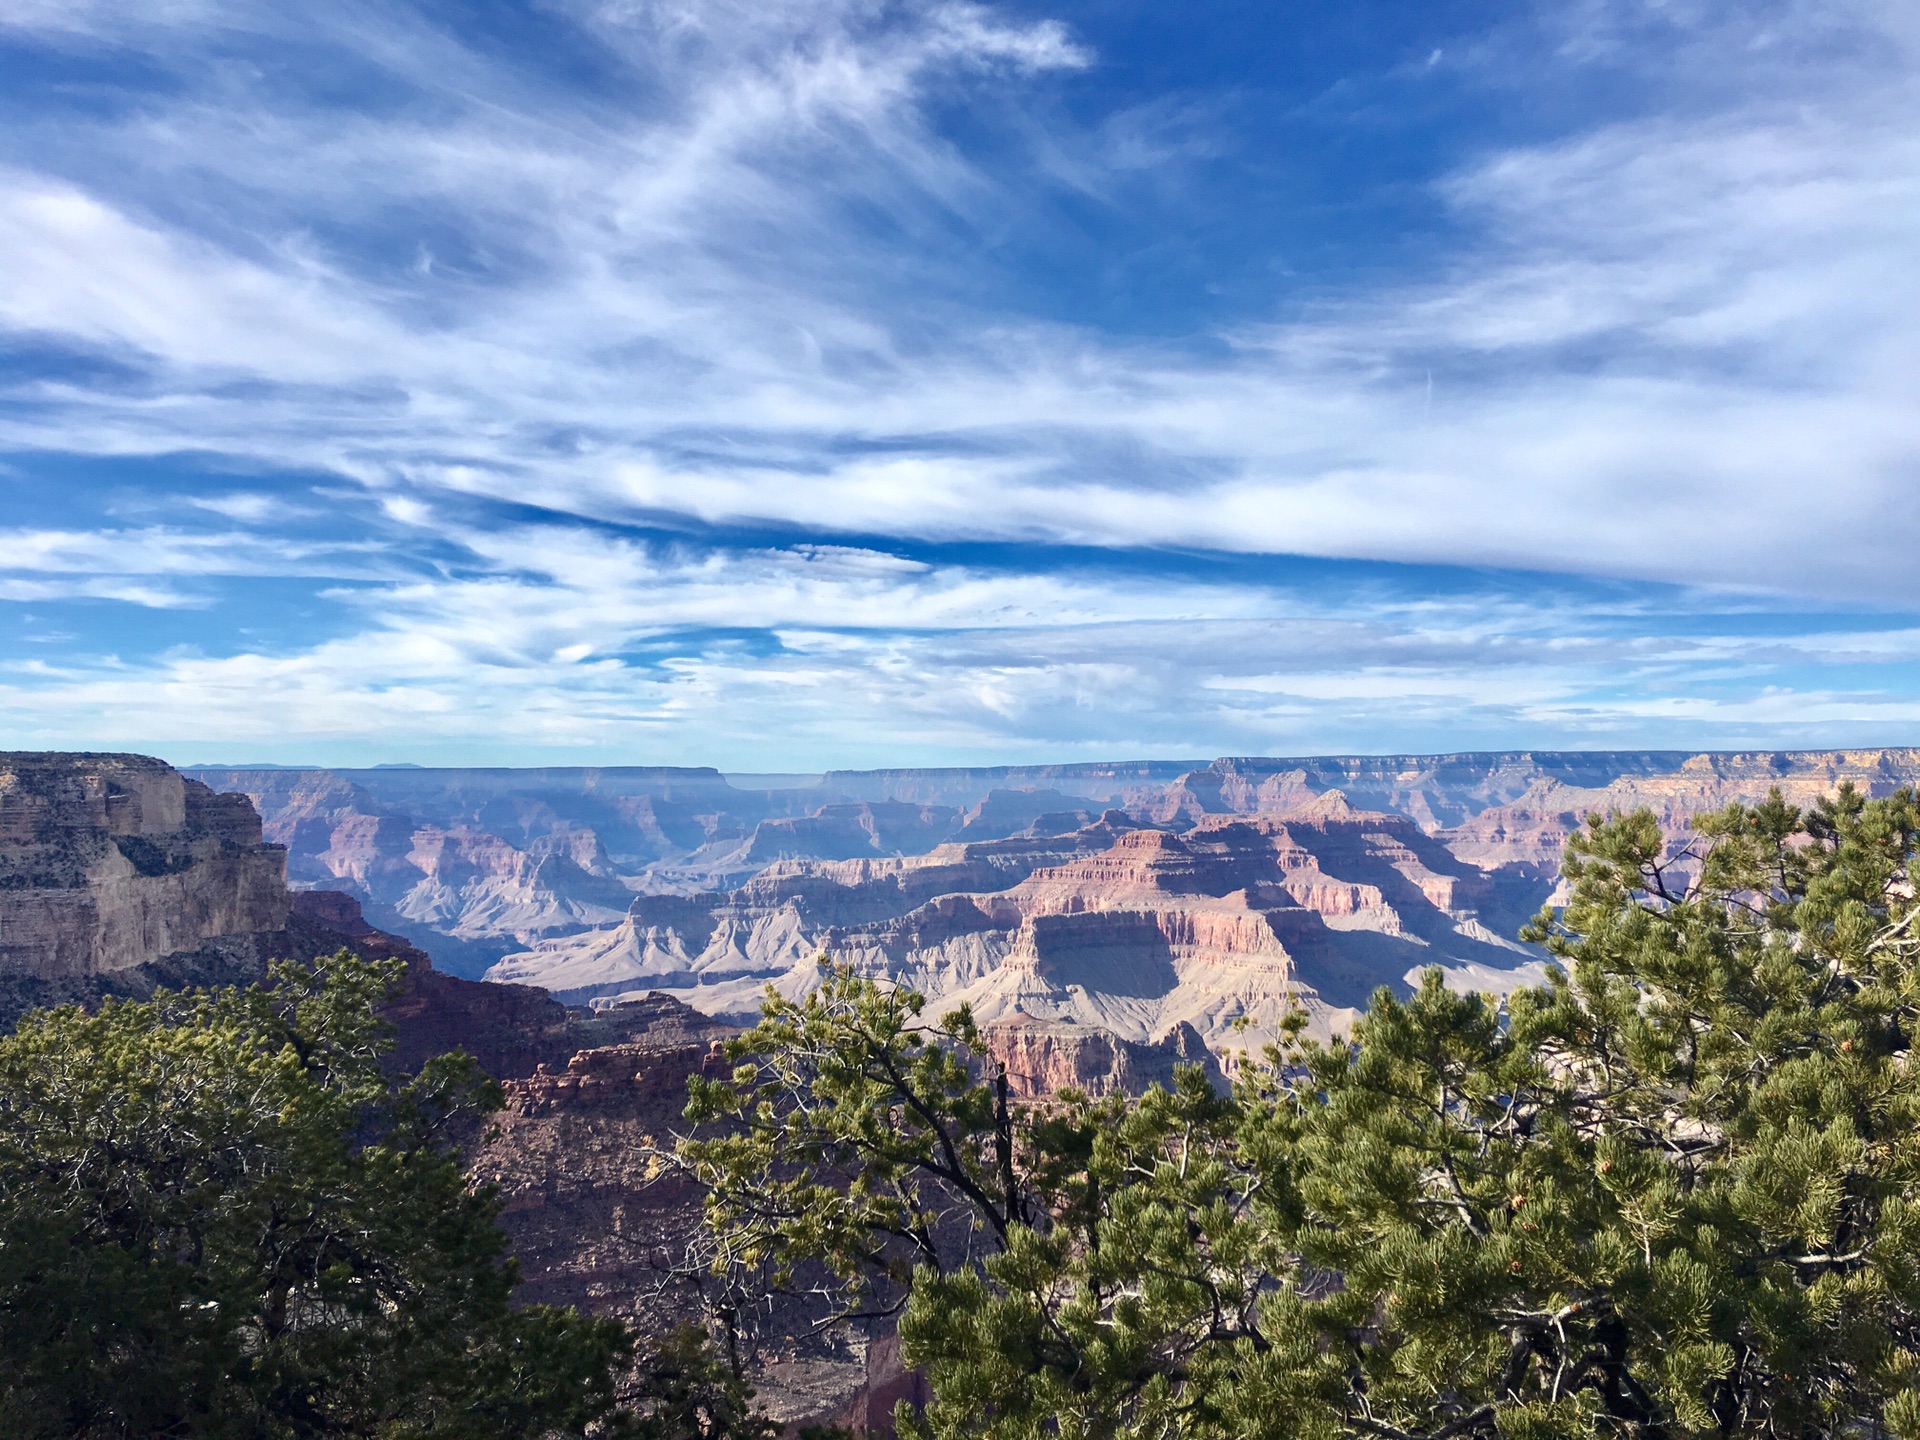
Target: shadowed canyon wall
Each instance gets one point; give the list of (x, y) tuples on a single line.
[(1134, 896)]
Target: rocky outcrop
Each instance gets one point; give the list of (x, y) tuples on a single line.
[(470, 884), (1043, 1057), (614, 1077), (113, 862), (1231, 924), (1133, 929), (119, 875), (334, 918)]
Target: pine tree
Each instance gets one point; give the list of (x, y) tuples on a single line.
[(1669, 1193), (220, 1216)]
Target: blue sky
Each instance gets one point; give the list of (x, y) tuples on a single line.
[(784, 385)]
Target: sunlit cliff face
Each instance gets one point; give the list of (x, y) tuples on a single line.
[(115, 861)]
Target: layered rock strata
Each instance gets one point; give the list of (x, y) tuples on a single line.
[(110, 862), (1132, 927), (731, 943), (480, 864), (1042, 1058)]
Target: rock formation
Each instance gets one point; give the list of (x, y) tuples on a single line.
[(1043, 1057), (1134, 928), (110, 862), (477, 864), (737, 940), (598, 883), (481, 864), (118, 875)]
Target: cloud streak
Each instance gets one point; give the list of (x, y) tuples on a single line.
[(785, 281)]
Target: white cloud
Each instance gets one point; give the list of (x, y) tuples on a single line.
[(598, 648), (1752, 288), (745, 285), (97, 587), (164, 551), (570, 589), (83, 271), (825, 698), (248, 508)]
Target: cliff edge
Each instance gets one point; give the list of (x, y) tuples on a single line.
[(119, 875), (115, 869)]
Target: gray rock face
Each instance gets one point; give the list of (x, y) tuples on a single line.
[(111, 862)]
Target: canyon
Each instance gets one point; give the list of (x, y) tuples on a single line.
[(120, 875), (1132, 897), (1129, 927), (1105, 924)]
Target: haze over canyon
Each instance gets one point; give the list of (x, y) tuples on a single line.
[(1141, 898)]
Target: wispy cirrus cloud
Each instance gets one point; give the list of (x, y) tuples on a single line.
[(806, 287), (562, 641)]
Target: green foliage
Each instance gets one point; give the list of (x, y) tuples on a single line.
[(219, 1217), (853, 1137), (690, 1391), (1669, 1193)]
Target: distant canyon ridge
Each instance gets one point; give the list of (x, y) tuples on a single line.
[(1172, 905)]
